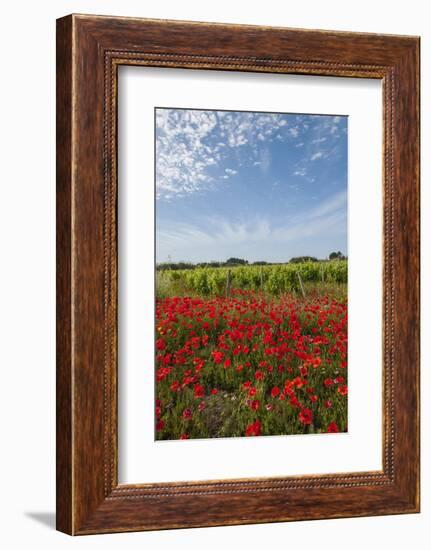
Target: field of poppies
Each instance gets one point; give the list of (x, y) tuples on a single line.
[(251, 363)]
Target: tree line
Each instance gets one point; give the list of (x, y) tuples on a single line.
[(232, 262)]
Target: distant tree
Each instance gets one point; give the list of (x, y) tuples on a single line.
[(260, 262), (336, 256), (236, 261), (210, 264), (174, 266), (300, 259)]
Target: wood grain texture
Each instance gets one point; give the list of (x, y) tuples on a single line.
[(90, 49), (64, 496)]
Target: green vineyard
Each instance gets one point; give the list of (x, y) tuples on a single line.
[(272, 279)]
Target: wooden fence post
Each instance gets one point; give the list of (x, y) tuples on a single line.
[(300, 284), (228, 283)]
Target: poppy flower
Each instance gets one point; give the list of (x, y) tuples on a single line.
[(187, 414), (275, 392), (255, 404), (342, 390), (199, 391), (332, 428), (217, 357), (253, 429), (294, 401), (160, 344), (305, 416)]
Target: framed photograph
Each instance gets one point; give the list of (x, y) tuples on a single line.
[(237, 274)]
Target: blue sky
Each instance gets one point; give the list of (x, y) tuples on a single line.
[(258, 186)]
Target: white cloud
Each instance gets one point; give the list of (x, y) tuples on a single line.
[(231, 172), (300, 172), (189, 142), (317, 155), (182, 155)]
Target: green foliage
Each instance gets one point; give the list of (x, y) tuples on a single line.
[(236, 261), (273, 279), (337, 256), (302, 259)]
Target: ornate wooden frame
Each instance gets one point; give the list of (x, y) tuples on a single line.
[(89, 51)]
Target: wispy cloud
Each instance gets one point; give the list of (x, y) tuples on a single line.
[(219, 237), (300, 172), (316, 156)]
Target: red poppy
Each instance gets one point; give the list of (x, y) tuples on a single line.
[(187, 414), (294, 401), (184, 436), (214, 391), (175, 386), (160, 425), (217, 357), (199, 391), (160, 345), (255, 404), (275, 392), (328, 382), (332, 428), (305, 416), (253, 429), (342, 390)]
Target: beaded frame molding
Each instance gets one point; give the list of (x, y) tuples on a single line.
[(89, 51)]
